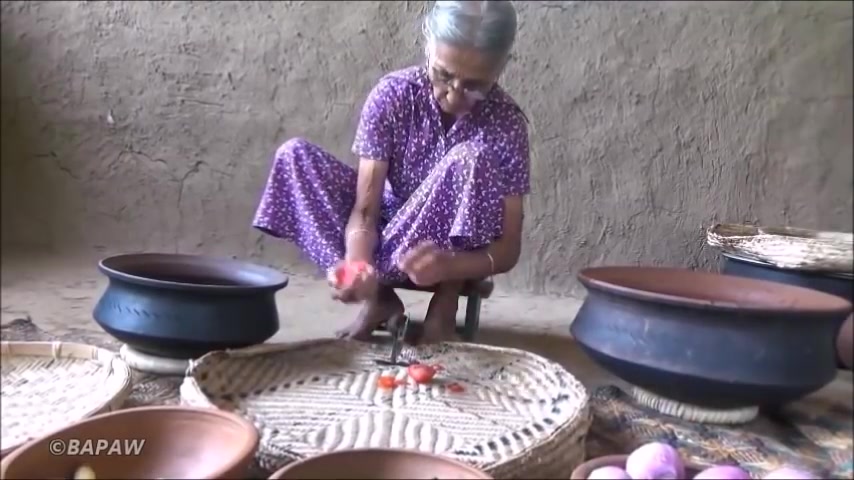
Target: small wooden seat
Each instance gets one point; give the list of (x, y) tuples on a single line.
[(474, 291)]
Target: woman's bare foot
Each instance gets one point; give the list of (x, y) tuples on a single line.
[(440, 324), (373, 313)]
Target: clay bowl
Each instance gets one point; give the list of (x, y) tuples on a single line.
[(839, 284), (179, 442), (585, 469), (183, 306), (709, 340), (378, 464)]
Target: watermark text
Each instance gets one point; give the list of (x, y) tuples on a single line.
[(116, 447)]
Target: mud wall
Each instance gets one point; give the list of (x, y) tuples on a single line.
[(130, 126)]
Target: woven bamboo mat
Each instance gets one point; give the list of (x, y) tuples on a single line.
[(815, 433), (51, 384), (147, 389), (514, 415)]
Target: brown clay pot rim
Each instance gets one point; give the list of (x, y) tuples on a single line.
[(817, 302), (113, 267), (331, 455), (244, 449)]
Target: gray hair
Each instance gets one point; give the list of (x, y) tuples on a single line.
[(488, 26)]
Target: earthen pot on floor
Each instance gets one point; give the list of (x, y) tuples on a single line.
[(184, 306), (839, 284), (378, 464), (179, 442), (845, 343), (715, 341)]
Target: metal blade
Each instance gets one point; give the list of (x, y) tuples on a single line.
[(398, 335)]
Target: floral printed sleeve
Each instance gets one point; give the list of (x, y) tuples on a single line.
[(377, 133), (516, 170)]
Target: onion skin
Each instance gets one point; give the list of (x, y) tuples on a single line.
[(655, 461), (786, 473), (723, 472)]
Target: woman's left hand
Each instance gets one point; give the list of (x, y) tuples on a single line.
[(426, 264)]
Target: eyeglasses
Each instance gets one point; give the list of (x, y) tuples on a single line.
[(473, 90)]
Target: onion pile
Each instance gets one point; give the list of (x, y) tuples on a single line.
[(660, 461)]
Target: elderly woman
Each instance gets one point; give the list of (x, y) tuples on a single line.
[(443, 166)]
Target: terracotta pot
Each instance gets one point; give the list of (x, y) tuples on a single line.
[(184, 306), (709, 340), (378, 464), (839, 284), (845, 343), (179, 442), (583, 471)]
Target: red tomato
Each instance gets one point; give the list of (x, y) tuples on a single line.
[(456, 388), (386, 382), (347, 273), (421, 373)]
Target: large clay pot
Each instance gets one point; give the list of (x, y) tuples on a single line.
[(709, 340), (845, 343), (838, 284), (183, 306)]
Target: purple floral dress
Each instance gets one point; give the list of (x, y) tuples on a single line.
[(446, 187)]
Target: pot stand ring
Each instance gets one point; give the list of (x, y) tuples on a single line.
[(692, 413), (144, 362)]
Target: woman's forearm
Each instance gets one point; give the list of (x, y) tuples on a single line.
[(495, 259), (360, 236)]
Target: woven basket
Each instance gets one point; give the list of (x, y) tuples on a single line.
[(785, 247), (50, 385), (519, 416)]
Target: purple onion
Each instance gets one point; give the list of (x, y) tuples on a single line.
[(723, 472), (655, 461), (787, 473), (609, 473)]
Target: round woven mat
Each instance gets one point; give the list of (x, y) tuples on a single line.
[(786, 247), (49, 385), (518, 415)]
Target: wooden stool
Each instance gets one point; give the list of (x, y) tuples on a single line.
[(474, 291)]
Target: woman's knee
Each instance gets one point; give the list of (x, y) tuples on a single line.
[(296, 154), (295, 148), (472, 154)]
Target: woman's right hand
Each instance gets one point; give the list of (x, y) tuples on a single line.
[(360, 286)]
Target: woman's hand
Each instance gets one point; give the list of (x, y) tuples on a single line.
[(353, 282), (426, 264)]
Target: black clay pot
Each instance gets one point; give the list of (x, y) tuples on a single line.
[(838, 284), (183, 306), (710, 340)]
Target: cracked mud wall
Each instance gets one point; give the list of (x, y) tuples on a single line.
[(130, 126)]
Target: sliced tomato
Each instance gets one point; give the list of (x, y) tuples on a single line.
[(456, 388), (386, 382), (421, 373)]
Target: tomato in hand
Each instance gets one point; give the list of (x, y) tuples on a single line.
[(348, 272)]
